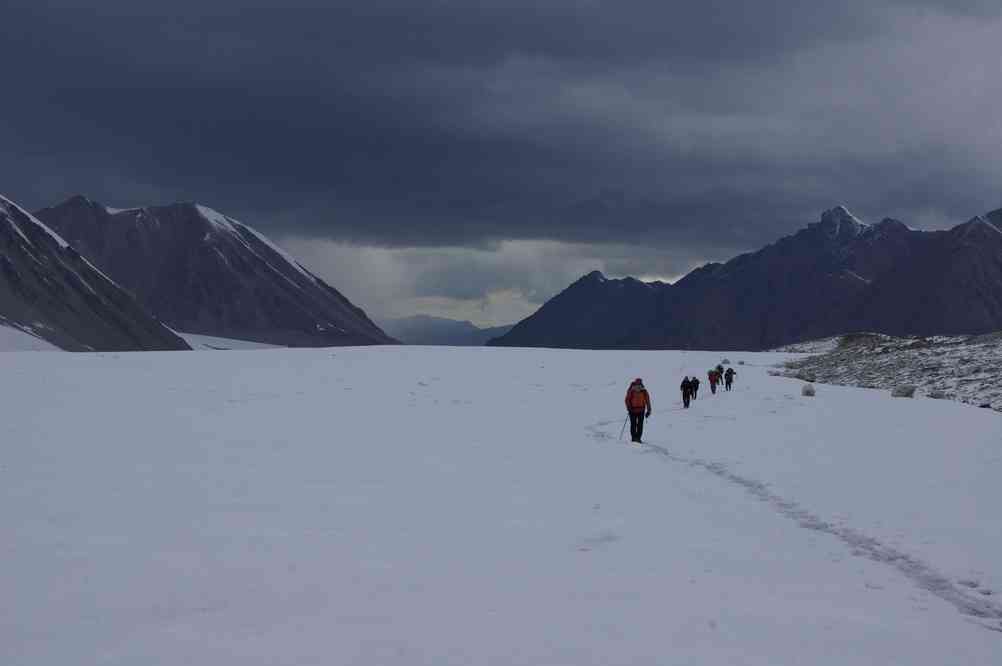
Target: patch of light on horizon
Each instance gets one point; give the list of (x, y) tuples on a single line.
[(670, 279), (498, 308)]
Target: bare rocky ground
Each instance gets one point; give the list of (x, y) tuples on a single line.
[(963, 368)]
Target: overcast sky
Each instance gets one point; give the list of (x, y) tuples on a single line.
[(472, 158)]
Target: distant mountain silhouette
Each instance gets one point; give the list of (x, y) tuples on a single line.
[(426, 330), (835, 276), (49, 290), (203, 272), (594, 312)]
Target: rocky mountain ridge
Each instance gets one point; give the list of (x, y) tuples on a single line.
[(49, 290), (835, 276), (209, 274)]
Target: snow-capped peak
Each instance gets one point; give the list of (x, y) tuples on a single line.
[(839, 221), (978, 224), (995, 223), (215, 218), (995, 217)]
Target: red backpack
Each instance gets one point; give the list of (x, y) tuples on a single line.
[(638, 397)]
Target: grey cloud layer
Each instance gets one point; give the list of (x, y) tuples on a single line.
[(691, 129), (493, 285)]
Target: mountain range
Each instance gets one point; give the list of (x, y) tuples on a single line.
[(205, 273), (835, 276), (83, 276), (49, 290), (425, 330)]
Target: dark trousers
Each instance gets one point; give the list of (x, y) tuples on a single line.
[(685, 399), (636, 425), (695, 392), (727, 384), (713, 388)]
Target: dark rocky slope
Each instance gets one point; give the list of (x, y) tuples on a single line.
[(835, 276), (50, 290), (203, 272)]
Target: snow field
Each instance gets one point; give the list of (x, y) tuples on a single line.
[(407, 505)]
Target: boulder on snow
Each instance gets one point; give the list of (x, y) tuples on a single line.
[(903, 391), (774, 373), (806, 376), (726, 361), (938, 395), (807, 390), (741, 362)]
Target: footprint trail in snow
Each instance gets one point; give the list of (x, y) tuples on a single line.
[(965, 596)]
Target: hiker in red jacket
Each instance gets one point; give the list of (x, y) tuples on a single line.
[(638, 405), (712, 376)]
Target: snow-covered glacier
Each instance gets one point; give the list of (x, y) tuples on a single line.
[(403, 505)]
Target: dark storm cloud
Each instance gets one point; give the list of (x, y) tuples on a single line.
[(697, 128)]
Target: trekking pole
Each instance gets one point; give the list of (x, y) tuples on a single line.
[(623, 429)]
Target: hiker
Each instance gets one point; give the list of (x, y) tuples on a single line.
[(712, 376), (638, 406), (694, 382), (686, 392), (729, 378)]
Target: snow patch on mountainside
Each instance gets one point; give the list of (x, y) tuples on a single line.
[(15, 338), (213, 343), (236, 227), (963, 368)]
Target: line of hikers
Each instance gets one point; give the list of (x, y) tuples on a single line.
[(638, 400), (718, 375), (690, 385)]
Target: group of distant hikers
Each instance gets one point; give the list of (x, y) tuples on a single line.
[(638, 400)]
